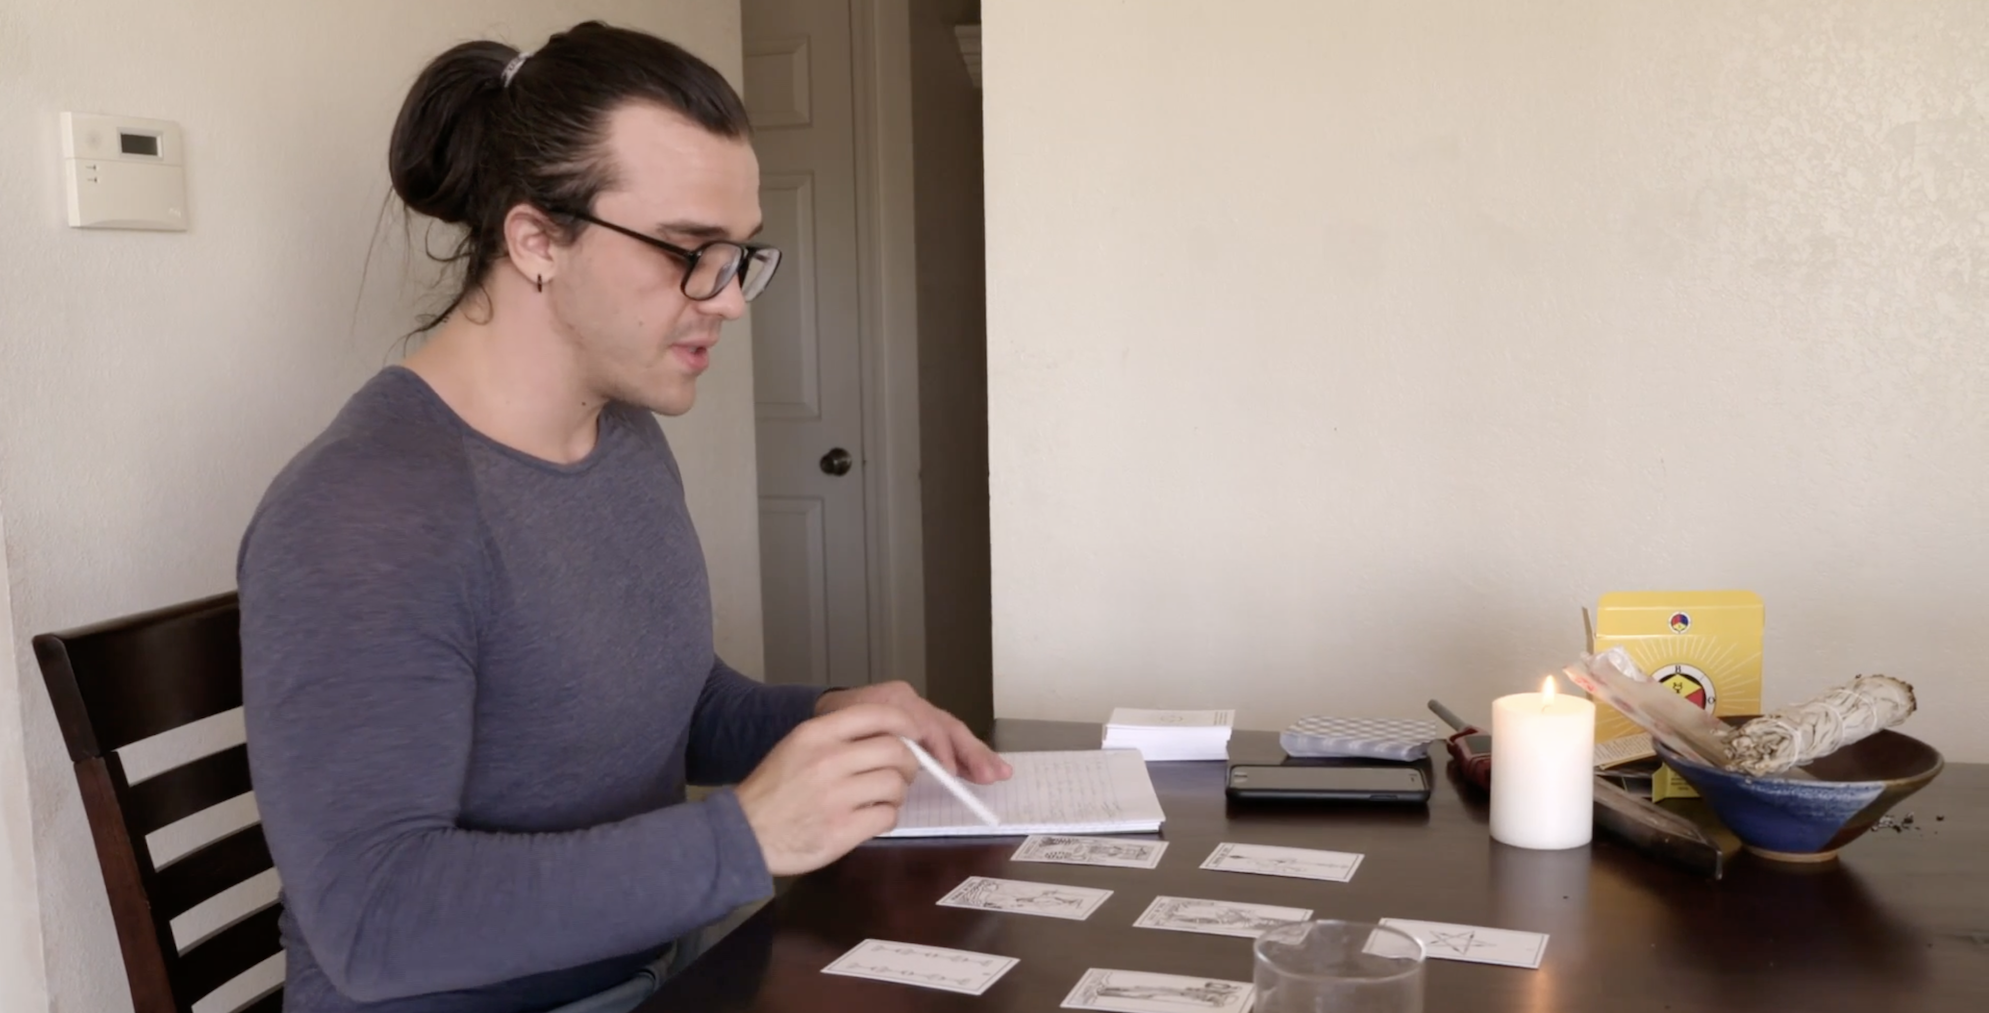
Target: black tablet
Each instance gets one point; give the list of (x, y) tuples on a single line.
[(1330, 781)]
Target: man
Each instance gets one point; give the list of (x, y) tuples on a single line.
[(476, 624)]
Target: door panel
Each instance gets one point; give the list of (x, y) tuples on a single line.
[(807, 371), (791, 531), (786, 340)]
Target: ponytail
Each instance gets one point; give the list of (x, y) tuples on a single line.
[(486, 128)]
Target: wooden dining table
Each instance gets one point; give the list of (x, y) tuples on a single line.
[(1900, 922)]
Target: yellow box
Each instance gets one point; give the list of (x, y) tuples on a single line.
[(1703, 645)]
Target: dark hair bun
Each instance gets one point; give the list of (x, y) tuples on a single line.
[(468, 148), (439, 145)]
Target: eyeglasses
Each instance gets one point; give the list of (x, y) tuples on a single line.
[(711, 267)]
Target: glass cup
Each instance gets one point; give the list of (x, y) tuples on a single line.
[(1338, 967)]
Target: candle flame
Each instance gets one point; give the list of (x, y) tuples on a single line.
[(1547, 691)]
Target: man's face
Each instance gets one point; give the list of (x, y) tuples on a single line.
[(619, 302)]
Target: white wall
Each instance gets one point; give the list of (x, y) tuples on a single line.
[(22, 985), (1340, 352), (151, 385)]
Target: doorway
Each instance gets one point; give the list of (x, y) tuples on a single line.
[(870, 368)]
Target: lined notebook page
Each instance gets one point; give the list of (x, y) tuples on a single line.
[(1088, 791)]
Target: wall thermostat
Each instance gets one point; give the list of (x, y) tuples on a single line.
[(123, 173)]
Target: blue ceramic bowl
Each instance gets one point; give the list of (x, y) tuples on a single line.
[(1810, 820)]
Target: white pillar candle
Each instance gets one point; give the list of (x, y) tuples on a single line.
[(1543, 769)]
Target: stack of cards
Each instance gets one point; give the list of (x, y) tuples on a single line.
[(1371, 738), (1628, 749), (1171, 735)]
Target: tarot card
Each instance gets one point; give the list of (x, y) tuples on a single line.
[(1217, 917), (1443, 941), (1141, 992), (1048, 899), (1298, 863), (1069, 850), (926, 966)]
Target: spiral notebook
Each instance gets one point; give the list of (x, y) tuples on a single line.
[(1083, 791)]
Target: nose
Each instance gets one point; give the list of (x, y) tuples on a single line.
[(728, 304)]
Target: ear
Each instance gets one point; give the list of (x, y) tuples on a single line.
[(532, 239)]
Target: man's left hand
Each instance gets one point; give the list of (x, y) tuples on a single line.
[(942, 734)]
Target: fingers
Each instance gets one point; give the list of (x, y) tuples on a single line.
[(869, 805), (877, 753), (937, 739), (874, 820), (878, 787), (987, 767), (863, 720), (978, 763), (835, 782), (938, 730), (898, 711)]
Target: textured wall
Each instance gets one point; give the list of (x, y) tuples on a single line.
[(1340, 352), (150, 385)]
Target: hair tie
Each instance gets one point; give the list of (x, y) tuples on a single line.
[(511, 69)]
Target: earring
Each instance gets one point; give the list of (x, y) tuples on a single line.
[(539, 282)]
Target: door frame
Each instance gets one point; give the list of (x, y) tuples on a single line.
[(887, 319)]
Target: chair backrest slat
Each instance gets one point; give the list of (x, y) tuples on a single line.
[(130, 679), (124, 681), (218, 959), (208, 870), (182, 791), (270, 1003)]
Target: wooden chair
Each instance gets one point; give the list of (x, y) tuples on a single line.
[(126, 680)]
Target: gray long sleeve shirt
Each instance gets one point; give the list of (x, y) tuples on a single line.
[(476, 685)]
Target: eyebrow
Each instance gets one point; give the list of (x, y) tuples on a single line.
[(702, 231)]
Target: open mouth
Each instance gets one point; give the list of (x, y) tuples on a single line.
[(694, 357)]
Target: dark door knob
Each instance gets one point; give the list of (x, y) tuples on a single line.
[(837, 462)]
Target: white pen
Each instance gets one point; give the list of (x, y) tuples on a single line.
[(951, 783)]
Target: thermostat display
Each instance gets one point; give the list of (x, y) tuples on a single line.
[(121, 172)]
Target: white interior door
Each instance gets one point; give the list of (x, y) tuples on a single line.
[(806, 365)]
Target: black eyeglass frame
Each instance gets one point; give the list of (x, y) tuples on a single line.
[(747, 252)]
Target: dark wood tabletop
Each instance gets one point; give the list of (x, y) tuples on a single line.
[(1900, 922)]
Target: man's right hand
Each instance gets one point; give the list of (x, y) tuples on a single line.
[(833, 783)]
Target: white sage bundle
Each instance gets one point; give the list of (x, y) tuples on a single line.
[(1793, 736)]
